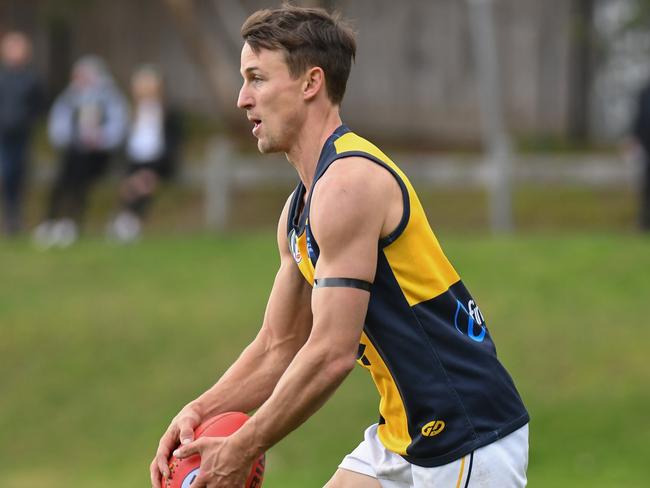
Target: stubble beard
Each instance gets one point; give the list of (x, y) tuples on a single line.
[(267, 146), (270, 145), (283, 140)]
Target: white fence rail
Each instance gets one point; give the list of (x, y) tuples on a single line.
[(225, 170)]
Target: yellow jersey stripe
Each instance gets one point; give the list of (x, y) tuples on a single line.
[(416, 258), (420, 267), (397, 439)]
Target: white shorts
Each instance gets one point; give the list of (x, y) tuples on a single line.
[(502, 464)]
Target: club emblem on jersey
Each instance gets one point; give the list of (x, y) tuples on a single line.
[(466, 319), (433, 428), (293, 246)]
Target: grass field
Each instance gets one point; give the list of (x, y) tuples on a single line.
[(100, 346)]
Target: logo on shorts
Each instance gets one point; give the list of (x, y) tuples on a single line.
[(433, 428)]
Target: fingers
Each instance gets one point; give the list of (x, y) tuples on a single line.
[(188, 450), (159, 466), (154, 472), (186, 432), (181, 430), (169, 438), (162, 462), (167, 443)]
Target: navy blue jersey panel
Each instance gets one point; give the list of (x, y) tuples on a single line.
[(426, 390), (459, 334)]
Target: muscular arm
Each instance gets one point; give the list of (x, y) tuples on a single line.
[(287, 322), (252, 377), (350, 211)]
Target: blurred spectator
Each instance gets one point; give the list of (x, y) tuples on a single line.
[(641, 132), (87, 124), (151, 149), (20, 103)]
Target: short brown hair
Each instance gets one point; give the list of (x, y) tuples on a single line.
[(309, 37)]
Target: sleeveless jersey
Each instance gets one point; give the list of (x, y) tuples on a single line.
[(425, 342)]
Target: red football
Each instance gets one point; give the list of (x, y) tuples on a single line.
[(185, 471)]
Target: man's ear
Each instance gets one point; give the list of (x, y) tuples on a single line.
[(314, 81)]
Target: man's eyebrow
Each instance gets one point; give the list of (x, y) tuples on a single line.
[(250, 69)]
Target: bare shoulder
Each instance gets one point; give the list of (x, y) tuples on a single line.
[(356, 194), (366, 177)]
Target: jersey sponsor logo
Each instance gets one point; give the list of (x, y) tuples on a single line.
[(293, 247), (433, 428), (189, 479), (466, 320)]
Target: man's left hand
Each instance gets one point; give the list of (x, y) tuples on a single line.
[(223, 465)]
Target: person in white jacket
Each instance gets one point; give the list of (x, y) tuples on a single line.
[(87, 123), (152, 150)]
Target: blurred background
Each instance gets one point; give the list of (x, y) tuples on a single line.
[(138, 219)]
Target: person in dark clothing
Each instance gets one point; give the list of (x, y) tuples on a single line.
[(87, 123), (641, 132), (152, 147), (21, 101)]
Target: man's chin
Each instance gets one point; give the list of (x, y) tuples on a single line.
[(265, 147)]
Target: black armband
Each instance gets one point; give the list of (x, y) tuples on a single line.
[(342, 283)]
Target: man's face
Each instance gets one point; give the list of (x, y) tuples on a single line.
[(272, 99)]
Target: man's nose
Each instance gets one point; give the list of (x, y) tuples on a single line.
[(244, 100)]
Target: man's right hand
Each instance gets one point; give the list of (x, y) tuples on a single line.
[(181, 430)]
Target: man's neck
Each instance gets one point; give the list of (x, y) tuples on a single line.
[(305, 152)]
